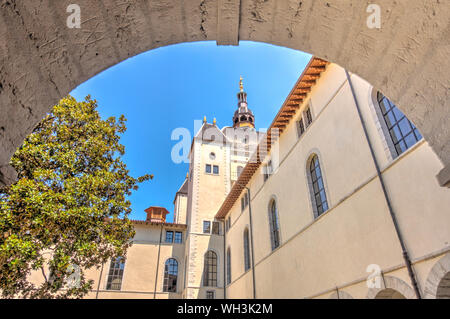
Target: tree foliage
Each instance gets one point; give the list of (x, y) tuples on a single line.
[(69, 208)]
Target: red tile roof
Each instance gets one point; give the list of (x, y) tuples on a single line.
[(292, 103)]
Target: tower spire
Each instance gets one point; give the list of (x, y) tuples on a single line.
[(243, 117)]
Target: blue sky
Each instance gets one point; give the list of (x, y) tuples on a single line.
[(170, 87)]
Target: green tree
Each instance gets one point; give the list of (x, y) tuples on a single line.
[(69, 208)]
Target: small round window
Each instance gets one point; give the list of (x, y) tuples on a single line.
[(212, 156)]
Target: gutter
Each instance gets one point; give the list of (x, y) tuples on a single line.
[(224, 262), (99, 281), (251, 241), (386, 195), (157, 262)]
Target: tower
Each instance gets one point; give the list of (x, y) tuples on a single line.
[(243, 117)]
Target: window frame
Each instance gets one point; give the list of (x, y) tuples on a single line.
[(309, 117), (394, 121), (247, 260), (117, 273), (228, 263), (166, 279), (317, 186), (180, 236), (228, 224), (172, 236), (210, 256), (268, 170), (210, 293), (215, 228), (300, 127), (208, 166), (207, 222), (274, 224)]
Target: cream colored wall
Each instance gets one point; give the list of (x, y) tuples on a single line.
[(316, 255), (335, 249), (141, 263), (208, 192), (180, 209), (140, 267)]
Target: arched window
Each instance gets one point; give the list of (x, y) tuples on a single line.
[(170, 275), (228, 266), (210, 269), (274, 225), (246, 250), (402, 132), (115, 274), (317, 187)]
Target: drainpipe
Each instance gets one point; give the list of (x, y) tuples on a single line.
[(224, 262), (157, 265), (251, 241), (99, 281), (386, 195)]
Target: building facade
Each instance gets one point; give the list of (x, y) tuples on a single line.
[(338, 199)]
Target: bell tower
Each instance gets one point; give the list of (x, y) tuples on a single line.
[(243, 117)]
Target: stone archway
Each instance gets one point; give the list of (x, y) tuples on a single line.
[(389, 293), (438, 281), (393, 288), (41, 59)]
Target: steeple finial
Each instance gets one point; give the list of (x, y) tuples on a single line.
[(241, 85), (204, 119)]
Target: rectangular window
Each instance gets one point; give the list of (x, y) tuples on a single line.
[(169, 236), (308, 117), (244, 201), (206, 227), (210, 294), (228, 224), (208, 168), (216, 170), (300, 127), (228, 266), (268, 170), (115, 274), (178, 237), (216, 228)]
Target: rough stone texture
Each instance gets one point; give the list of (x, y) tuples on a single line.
[(41, 59)]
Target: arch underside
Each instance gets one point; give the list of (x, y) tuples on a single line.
[(438, 281), (42, 60), (392, 288)]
